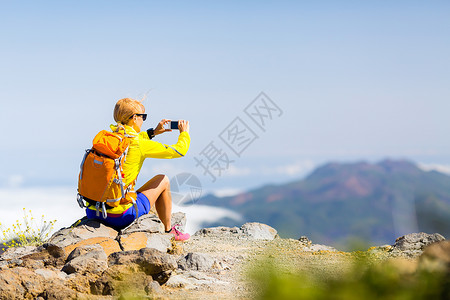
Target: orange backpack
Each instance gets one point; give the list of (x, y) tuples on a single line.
[(100, 181)]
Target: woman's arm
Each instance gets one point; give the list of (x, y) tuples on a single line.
[(158, 150)]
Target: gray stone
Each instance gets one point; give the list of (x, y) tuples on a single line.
[(53, 249), (259, 231), (192, 280), (416, 241), (219, 231), (86, 229), (179, 219), (317, 247), (153, 288), (18, 252), (159, 241), (48, 274), (153, 262), (196, 261), (146, 223), (87, 259)]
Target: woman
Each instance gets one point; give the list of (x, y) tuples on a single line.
[(130, 115)]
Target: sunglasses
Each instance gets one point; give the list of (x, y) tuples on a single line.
[(144, 116)]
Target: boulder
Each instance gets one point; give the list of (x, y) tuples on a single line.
[(20, 283), (149, 223), (259, 231), (413, 244), (85, 230), (87, 259), (317, 247), (45, 255), (196, 261), (17, 252), (253, 231), (139, 240), (192, 280), (48, 274), (153, 262), (219, 231)]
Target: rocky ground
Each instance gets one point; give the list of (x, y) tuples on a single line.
[(93, 261)]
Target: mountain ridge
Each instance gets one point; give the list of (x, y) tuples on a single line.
[(338, 201)]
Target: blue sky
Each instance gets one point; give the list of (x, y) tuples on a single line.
[(354, 80)]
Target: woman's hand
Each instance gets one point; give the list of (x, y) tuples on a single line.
[(183, 126), (160, 127)]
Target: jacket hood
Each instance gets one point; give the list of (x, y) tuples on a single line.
[(125, 129)]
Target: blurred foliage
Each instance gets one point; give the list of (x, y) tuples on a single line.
[(26, 232), (366, 279)]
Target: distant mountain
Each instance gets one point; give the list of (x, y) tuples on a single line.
[(339, 201)]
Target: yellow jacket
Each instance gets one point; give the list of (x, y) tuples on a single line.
[(141, 147)]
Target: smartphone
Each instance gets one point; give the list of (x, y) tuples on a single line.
[(173, 124)]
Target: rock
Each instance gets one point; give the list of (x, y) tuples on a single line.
[(153, 262), (53, 250), (305, 240), (17, 252), (20, 283), (146, 223), (192, 280), (436, 257), (196, 261), (219, 231), (378, 249), (48, 274), (414, 243), (256, 231), (45, 255), (317, 247), (86, 229), (259, 231), (153, 288), (139, 240), (179, 219), (87, 259), (109, 245), (32, 264)]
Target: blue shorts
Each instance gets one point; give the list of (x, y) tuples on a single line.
[(127, 217)]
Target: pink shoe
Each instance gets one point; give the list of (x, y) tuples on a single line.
[(179, 236)]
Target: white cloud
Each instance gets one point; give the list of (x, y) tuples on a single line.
[(59, 203), (435, 167), (197, 214), (226, 192), (294, 169), (54, 203), (234, 171)]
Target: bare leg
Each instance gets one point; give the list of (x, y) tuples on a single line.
[(157, 190)]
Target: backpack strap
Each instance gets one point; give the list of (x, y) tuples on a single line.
[(82, 162), (80, 201), (103, 209)]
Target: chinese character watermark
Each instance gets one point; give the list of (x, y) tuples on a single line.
[(237, 136)]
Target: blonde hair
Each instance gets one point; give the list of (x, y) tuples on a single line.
[(125, 108)]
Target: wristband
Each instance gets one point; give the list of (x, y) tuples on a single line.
[(151, 133)]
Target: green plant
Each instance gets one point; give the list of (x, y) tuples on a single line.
[(366, 279), (27, 232)]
